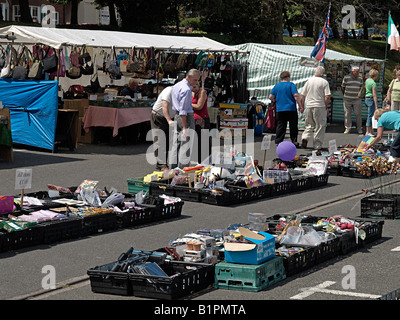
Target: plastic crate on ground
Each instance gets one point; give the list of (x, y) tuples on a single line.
[(134, 217), (61, 230), (187, 194), (103, 280), (135, 185), (247, 277), (386, 206), (298, 261), (98, 223), (183, 279), (159, 188)]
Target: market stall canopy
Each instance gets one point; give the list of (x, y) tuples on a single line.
[(57, 37), (267, 61)]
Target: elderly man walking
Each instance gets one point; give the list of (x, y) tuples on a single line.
[(316, 97), (351, 86)]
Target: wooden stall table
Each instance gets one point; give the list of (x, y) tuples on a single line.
[(116, 118)]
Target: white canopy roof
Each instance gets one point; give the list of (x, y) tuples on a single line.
[(57, 37)]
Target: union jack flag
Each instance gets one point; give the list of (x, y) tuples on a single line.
[(320, 47)]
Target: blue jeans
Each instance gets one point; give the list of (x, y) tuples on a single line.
[(369, 102)]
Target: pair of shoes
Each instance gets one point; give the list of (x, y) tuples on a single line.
[(360, 131), (304, 143), (296, 144), (347, 131)]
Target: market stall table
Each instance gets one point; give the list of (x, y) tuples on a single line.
[(115, 117)]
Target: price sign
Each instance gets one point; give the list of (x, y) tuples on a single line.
[(266, 143), (23, 179), (332, 146)]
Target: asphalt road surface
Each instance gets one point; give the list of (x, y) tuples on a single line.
[(375, 266)]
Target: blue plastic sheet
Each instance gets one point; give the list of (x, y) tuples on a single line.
[(33, 110)]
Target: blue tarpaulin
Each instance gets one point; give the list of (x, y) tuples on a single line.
[(33, 110)]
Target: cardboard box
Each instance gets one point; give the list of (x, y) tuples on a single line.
[(233, 106), (85, 137), (234, 123), (77, 104), (229, 113), (261, 247)]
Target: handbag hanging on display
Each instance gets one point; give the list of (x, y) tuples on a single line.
[(20, 71), (50, 61), (6, 72), (84, 57), (95, 83)]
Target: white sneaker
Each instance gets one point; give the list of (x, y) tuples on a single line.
[(347, 131)]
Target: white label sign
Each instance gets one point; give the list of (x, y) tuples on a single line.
[(266, 143), (23, 179), (332, 146)]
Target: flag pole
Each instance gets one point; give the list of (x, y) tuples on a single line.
[(387, 40)]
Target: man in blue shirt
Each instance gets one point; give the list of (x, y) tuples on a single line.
[(389, 120), (184, 120), (285, 95)]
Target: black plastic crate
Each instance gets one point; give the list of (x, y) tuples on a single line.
[(299, 261), (61, 230), (319, 181), (159, 188), (187, 194), (386, 206), (327, 250), (373, 230), (352, 172), (300, 184), (394, 295), (97, 223), (103, 280), (281, 188), (21, 239), (134, 217), (183, 279), (168, 211), (220, 198)]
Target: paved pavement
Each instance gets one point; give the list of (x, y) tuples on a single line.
[(376, 265)]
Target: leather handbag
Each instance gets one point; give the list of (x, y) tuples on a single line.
[(84, 57), (94, 83), (50, 62), (74, 72)]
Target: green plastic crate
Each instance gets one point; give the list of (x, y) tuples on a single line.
[(135, 185), (248, 277)]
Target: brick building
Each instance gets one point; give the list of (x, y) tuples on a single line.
[(10, 10), (87, 12)]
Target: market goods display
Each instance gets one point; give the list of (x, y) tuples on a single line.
[(241, 180), (238, 257), (60, 213)]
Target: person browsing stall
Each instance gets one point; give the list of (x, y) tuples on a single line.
[(285, 95), (351, 86), (184, 119), (389, 120), (371, 98), (162, 118), (201, 117), (316, 94)]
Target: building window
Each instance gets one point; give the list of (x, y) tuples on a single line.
[(16, 14), (4, 11), (35, 13)]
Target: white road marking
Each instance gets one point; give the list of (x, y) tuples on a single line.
[(322, 289)]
